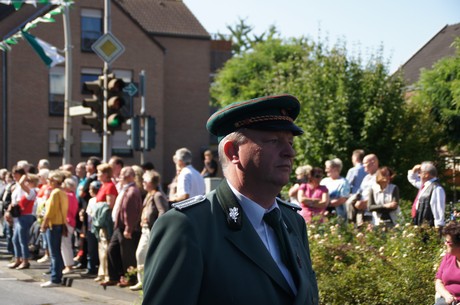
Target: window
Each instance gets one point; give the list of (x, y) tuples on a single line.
[(91, 28), (88, 75), (55, 142), (90, 143), (56, 91), (120, 144)]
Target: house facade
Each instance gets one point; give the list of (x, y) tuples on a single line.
[(161, 38)]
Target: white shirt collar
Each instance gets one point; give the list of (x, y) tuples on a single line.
[(254, 211)]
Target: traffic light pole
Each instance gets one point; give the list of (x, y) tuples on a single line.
[(105, 137), (142, 89), (67, 132)]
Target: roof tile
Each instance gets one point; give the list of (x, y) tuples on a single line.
[(164, 17)]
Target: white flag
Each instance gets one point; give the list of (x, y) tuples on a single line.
[(47, 52)]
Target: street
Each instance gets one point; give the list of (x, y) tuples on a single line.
[(22, 287)]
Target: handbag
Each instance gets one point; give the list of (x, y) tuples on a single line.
[(65, 231), (15, 210)]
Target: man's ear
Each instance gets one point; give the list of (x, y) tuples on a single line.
[(231, 152)]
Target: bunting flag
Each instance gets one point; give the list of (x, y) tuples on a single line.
[(47, 52), (6, 44), (18, 3)]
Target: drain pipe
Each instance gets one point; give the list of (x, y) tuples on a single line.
[(4, 110)]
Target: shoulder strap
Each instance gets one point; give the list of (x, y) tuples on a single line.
[(188, 202)]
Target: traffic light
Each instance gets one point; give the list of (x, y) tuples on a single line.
[(95, 118), (134, 133), (149, 133), (115, 103)]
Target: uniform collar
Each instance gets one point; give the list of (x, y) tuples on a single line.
[(252, 209)]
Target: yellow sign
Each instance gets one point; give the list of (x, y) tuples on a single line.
[(108, 47)]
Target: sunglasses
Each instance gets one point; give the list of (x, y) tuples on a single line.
[(448, 242), (318, 176)]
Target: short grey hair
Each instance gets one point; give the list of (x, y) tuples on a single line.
[(238, 138), (183, 154), (303, 170), (44, 163), (429, 167), (70, 184), (44, 173), (336, 162)]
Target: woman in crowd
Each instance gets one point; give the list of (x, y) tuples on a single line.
[(155, 205), (89, 236), (312, 196), (66, 245), (102, 225), (384, 199), (6, 199), (139, 172), (448, 276), (301, 174), (42, 196), (53, 223), (23, 197), (209, 165), (338, 187)]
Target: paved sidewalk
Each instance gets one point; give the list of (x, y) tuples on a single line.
[(75, 280)]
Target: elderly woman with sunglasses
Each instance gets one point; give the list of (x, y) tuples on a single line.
[(448, 275)]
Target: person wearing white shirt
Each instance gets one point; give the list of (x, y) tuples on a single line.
[(358, 211), (190, 183), (430, 203)]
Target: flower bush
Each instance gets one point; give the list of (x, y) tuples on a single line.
[(375, 265)]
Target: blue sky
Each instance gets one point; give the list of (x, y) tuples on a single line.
[(402, 27)]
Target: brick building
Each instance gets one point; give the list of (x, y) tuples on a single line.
[(161, 37)]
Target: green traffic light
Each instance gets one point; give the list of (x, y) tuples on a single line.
[(115, 121)]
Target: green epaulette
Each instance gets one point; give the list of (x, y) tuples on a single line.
[(290, 205), (188, 202)]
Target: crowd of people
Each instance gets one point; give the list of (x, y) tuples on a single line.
[(366, 195), (100, 216), (94, 218)]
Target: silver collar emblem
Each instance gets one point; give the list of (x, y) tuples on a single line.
[(233, 213)]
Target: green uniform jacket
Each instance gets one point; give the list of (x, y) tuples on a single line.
[(201, 253)]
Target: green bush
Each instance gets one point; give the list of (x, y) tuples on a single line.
[(375, 265)]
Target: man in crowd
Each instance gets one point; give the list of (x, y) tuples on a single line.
[(430, 203), (189, 181), (239, 244), (117, 164), (127, 230), (90, 238), (356, 174), (357, 211)]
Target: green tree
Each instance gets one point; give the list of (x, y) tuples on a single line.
[(243, 37), (438, 93), (346, 103)]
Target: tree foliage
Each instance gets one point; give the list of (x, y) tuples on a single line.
[(243, 37), (345, 103), (439, 95)]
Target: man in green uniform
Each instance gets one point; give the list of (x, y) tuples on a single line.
[(238, 244)]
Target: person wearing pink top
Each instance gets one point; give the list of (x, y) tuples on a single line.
[(66, 242), (313, 197), (448, 275)]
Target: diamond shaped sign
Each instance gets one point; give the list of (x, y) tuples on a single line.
[(108, 47)]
